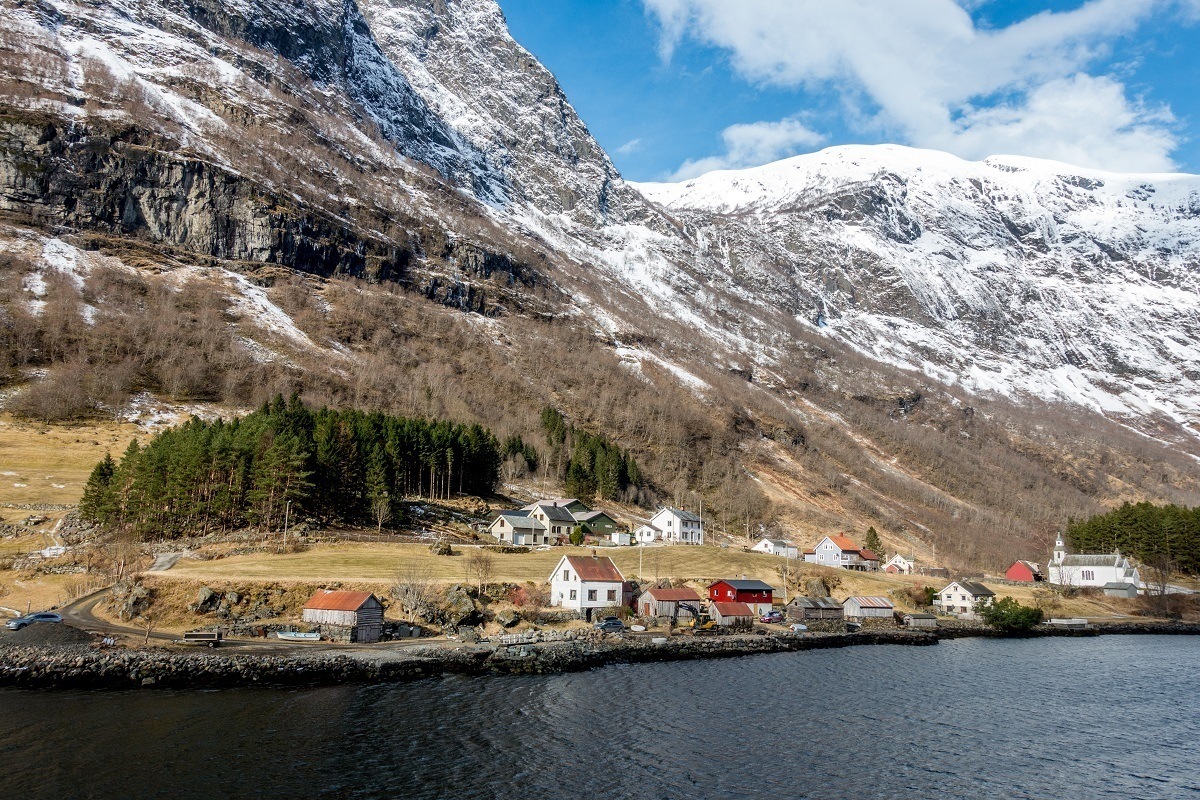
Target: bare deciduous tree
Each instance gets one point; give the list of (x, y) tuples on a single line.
[(480, 565), (414, 591)]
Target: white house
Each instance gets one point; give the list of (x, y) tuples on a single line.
[(647, 534), (839, 551), (777, 547), (558, 520), (677, 527), (513, 527), (583, 583), (899, 565), (1093, 570), (960, 597)]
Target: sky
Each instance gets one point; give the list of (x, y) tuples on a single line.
[(675, 88)]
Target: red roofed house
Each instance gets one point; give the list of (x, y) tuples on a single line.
[(668, 602), (839, 551), (355, 616), (583, 583), (1024, 571), (756, 594), (727, 614)]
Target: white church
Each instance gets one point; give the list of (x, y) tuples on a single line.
[(1109, 572)]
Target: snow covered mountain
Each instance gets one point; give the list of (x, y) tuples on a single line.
[(794, 312), (1011, 276)]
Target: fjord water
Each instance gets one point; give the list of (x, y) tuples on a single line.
[(1063, 718)]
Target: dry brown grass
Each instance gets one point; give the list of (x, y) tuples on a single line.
[(50, 463), (36, 592)]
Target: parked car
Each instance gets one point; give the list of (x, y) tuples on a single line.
[(610, 625), (774, 615), (798, 627), (41, 616)]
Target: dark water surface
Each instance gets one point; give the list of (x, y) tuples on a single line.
[(1115, 716)]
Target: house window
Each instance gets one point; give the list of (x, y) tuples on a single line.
[(1089, 575), (574, 594), (612, 594), (591, 594), (566, 575)]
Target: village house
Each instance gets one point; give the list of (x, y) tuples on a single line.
[(585, 583), (859, 608), (348, 616), (597, 523), (729, 614), (960, 598), (839, 551), (777, 547), (1024, 572), (1090, 569), (756, 594), (558, 521), (899, 565), (806, 609), (668, 602), (677, 527), (519, 529), (647, 534)]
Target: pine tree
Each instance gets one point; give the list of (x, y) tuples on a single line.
[(873, 542), (99, 501)]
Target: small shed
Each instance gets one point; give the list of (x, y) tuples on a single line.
[(360, 614), (862, 607), (808, 608), (1024, 572), (668, 602), (919, 620), (1117, 589), (727, 614)]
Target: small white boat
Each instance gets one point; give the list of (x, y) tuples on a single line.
[(297, 636), (638, 628)]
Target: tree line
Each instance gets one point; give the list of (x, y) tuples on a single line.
[(339, 466), (1149, 532), (595, 466)]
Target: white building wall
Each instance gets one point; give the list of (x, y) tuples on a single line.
[(571, 593)]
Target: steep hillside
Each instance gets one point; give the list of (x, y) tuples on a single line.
[(390, 204)]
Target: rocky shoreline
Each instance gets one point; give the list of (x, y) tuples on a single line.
[(89, 668)]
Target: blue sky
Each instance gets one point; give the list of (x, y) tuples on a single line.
[(674, 88)]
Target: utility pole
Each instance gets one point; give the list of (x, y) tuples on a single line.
[(287, 511)]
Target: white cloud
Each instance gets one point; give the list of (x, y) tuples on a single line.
[(931, 77), (632, 146), (748, 145)]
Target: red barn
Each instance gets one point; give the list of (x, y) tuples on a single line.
[(1024, 571), (755, 594)]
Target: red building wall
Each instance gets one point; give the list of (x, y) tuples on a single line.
[(1019, 572), (722, 592)]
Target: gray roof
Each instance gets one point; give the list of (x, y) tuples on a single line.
[(684, 515), (920, 615), (976, 589), (521, 522), (1117, 585), (1110, 560), (780, 543), (816, 602), (587, 516), (555, 513), (747, 586)]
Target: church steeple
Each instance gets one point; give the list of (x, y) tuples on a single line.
[(1060, 549)]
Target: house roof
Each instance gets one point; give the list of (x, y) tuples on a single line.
[(338, 601), (553, 513), (684, 515), (868, 555), (733, 609), (521, 522), (1032, 567), (920, 615), (972, 588), (816, 602), (1089, 560), (1117, 585), (595, 568), (870, 602), (562, 502), (780, 543), (674, 595), (745, 586), (588, 516), (844, 542)]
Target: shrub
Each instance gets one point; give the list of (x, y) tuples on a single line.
[(1009, 616)]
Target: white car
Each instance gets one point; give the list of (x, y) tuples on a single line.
[(41, 616)]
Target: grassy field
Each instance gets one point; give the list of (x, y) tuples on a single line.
[(50, 463), (381, 562)]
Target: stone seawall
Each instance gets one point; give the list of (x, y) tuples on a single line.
[(88, 668)]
